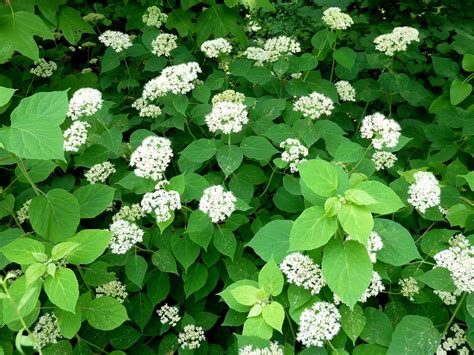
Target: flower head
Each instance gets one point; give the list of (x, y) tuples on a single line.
[(116, 40), (154, 17), (227, 117), (337, 20), (46, 331), (164, 44), (22, 213), (374, 245), (191, 337), (124, 236), (345, 91), (217, 203), (409, 287), (273, 349), (114, 289), (384, 132), (314, 105), (100, 172), (214, 48), (376, 286), (169, 315), (293, 153), (319, 323), (75, 136), (456, 341), (44, 68), (397, 40), (145, 109), (161, 202), (152, 157), (228, 96), (131, 213), (84, 102), (425, 192), (300, 270), (383, 160)]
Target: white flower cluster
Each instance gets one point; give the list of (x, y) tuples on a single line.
[(46, 331), (319, 323), (164, 44), (273, 349), (272, 49), (100, 172), (84, 102), (191, 337), (383, 160), (455, 342), (424, 192), (153, 17), (176, 79), (345, 91), (116, 40), (448, 298), (409, 287), (397, 40), (125, 236), (130, 213), (374, 245), (152, 157), (300, 270), (44, 68), (376, 286), (314, 105), (75, 136), (217, 203), (227, 116), (161, 202), (459, 260), (293, 152), (114, 289), (384, 132), (22, 213), (214, 48), (169, 315), (145, 109), (228, 96), (337, 20)]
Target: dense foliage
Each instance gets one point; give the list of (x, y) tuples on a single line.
[(242, 177)]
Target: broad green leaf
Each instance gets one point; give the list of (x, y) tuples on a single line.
[(352, 321), (347, 269), (468, 62), (135, 269), (459, 91), (194, 279), (230, 300), (258, 148), (200, 150), (200, 228), (62, 249), (270, 278), (94, 199), (63, 289), (92, 244), (21, 251), (219, 21), (320, 176), (273, 314), (23, 298), (469, 177), (69, 323), (273, 239), (165, 261), (245, 295), (378, 328), (445, 67), (359, 197), (55, 216), (439, 279), (229, 158), (184, 250), (387, 200), (345, 56), (356, 221), (470, 304), (106, 313), (34, 272), (256, 326), (72, 24), (225, 242), (5, 95), (136, 184)]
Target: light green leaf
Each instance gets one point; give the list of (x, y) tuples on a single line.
[(387, 200), (439, 279), (230, 300), (23, 298), (345, 56), (92, 244), (63, 289), (273, 239), (62, 249), (359, 197), (352, 321), (21, 251), (458, 91), (356, 221), (106, 313), (256, 326), (69, 323), (258, 148), (5, 95), (245, 295), (94, 199), (200, 228), (34, 272), (470, 304), (229, 158), (273, 314), (200, 150), (320, 176), (270, 278)]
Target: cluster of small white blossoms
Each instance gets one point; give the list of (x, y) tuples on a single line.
[(46, 331), (273, 349), (164, 44), (384, 132), (300, 270), (217, 203), (153, 17), (161, 202), (319, 323), (130, 213), (337, 20), (374, 245), (214, 48), (152, 157), (145, 109), (191, 337), (84, 102), (75, 136), (116, 40), (100, 172), (448, 298), (397, 40), (228, 113), (44, 68), (169, 315), (294, 153), (272, 49), (314, 105), (424, 192), (459, 260), (124, 236), (376, 286), (409, 287), (345, 91), (114, 289), (22, 213), (383, 160), (176, 79), (455, 342)]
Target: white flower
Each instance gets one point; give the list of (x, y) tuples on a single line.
[(294, 153), (84, 102), (169, 315), (154, 17), (272, 49), (409, 287), (314, 105), (448, 298), (374, 245), (227, 117), (130, 213), (100, 172), (216, 47), (161, 202), (145, 109), (337, 20), (152, 157), (376, 286), (457, 341), (114, 289), (22, 213), (300, 270), (384, 132), (345, 90), (273, 349), (46, 331), (217, 203), (459, 260), (425, 192), (396, 41), (319, 323), (117, 40), (44, 68), (125, 236), (228, 96), (383, 160), (258, 54), (75, 136), (191, 337), (164, 44)]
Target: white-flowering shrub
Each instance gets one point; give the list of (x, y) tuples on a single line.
[(84, 102), (456, 343), (169, 315), (164, 44), (114, 289), (273, 349), (131, 213), (335, 19), (44, 68), (154, 17), (75, 136), (409, 287), (214, 48), (293, 153), (124, 236), (22, 213), (384, 132), (152, 157), (383, 160), (217, 203), (161, 203), (100, 172), (424, 192), (227, 117), (191, 337), (116, 40), (319, 323), (46, 331), (145, 109), (345, 90), (300, 270), (397, 40), (314, 105), (376, 286)]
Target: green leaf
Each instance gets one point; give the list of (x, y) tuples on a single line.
[(23, 300), (345, 56), (445, 67), (34, 132), (94, 199), (21, 251), (439, 279), (106, 313), (194, 279), (378, 328), (458, 91), (245, 295), (468, 62), (387, 200), (55, 216), (320, 176), (200, 150), (225, 242), (312, 229), (92, 244), (258, 148), (229, 158), (273, 314), (219, 21), (72, 24), (414, 335), (165, 261), (356, 221), (470, 304), (200, 228), (63, 289), (359, 197), (5, 95), (62, 249), (347, 269), (34, 272), (229, 299), (270, 278), (256, 326), (352, 321), (69, 323), (135, 269), (184, 250), (272, 240)]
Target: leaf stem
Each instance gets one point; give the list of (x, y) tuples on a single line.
[(28, 177), (456, 310)]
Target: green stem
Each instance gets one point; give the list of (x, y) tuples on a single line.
[(456, 310), (27, 176), (268, 184)]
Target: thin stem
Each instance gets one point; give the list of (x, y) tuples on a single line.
[(458, 307), (360, 160), (333, 61), (268, 184), (28, 177)]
